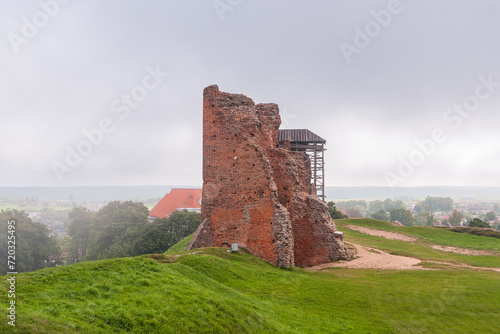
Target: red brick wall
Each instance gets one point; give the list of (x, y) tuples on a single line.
[(256, 194), (239, 204)]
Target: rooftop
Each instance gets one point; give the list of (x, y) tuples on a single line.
[(299, 135), (178, 198)]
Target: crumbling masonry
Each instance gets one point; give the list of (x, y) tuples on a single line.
[(256, 194)]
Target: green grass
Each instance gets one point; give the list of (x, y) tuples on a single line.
[(425, 236), (227, 293), (219, 292), (180, 246)]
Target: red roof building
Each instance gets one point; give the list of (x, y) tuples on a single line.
[(397, 223), (177, 199)]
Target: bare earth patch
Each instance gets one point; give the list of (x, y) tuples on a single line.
[(402, 237), (464, 251), (382, 234), (464, 266), (371, 258)]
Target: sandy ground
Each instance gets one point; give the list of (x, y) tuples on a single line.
[(465, 251), (371, 258), (402, 237), (382, 234)]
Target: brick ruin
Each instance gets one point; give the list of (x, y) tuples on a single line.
[(256, 194)]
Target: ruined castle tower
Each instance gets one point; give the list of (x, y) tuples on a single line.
[(256, 194)]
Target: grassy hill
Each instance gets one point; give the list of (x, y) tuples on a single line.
[(425, 236), (212, 291)]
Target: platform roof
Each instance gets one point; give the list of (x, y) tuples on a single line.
[(299, 135)]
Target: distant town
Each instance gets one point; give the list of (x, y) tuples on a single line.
[(406, 209)]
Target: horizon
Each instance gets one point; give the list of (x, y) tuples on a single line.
[(200, 186), (87, 193)]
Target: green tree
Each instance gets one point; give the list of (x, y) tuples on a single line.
[(390, 204), (79, 229), (476, 222), (355, 207), (334, 212), (405, 217), (163, 233), (496, 207), (122, 229), (426, 218), (352, 204), (54, 215), (376, 206), (155, 237), (380, 215), (438, 203), (354, 213), (114, 222), (35, 247), (491, 216), (456, 217)]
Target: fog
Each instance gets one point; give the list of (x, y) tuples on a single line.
[(406, 93)]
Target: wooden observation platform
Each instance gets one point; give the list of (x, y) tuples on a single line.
[(303, 140)]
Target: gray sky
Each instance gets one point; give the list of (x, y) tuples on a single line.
[(371, 77)]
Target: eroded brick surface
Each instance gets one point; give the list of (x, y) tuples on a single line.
[(256, 194)]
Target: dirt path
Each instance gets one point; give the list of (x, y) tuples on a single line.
[(402, 237), (371, 258), (382, 234), (463, 266), (464, 251)]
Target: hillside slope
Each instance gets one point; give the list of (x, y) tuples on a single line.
[(212, 291), (424, 247)]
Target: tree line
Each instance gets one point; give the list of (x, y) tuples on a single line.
[(122, 229), (119, 229), (423, 213), (34, 245)]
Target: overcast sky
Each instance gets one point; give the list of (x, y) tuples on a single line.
[(371, 77)]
